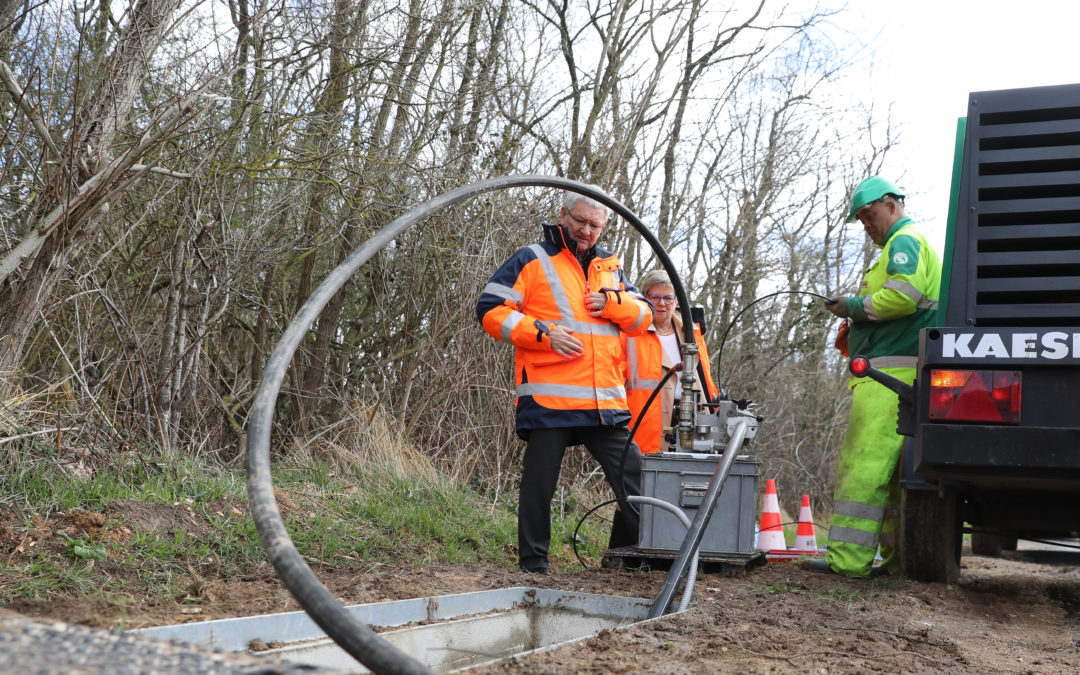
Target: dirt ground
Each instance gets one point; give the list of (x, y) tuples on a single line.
[(1017, 614)]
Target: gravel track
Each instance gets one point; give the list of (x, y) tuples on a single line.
[(30, 647)]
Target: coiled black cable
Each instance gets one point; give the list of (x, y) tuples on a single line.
[(581, 521)]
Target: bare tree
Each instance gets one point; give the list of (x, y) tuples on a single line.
[(90, 169), (162, 234)]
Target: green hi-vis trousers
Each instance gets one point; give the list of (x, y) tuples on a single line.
[(866, 502)]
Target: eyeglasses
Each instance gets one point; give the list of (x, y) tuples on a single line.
[(864, 210), (666, 299), (585, 223)]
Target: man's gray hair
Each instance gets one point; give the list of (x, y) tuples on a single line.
[(571, 198), (652, 279)]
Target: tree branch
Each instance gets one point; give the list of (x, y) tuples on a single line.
[(160, 170), (37, 236), (39, 432), (20, 100)]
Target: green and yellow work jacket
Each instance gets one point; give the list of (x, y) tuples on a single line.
[(899, 295)]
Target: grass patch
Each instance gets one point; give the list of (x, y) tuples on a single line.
[(343, 505), (853, 597), (843, 595), (39, 485), (48, 576)]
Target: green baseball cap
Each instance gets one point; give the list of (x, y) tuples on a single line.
[(870, 190)]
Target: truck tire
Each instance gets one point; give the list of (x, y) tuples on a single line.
[(930, 536)]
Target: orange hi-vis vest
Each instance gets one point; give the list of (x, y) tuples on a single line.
[(543, 285), (647, 363)]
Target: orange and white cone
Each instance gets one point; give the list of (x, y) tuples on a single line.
[(805, 540), (771, 531)]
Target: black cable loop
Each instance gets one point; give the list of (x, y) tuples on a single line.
[(353, 636), (723, 339), (581, 522)]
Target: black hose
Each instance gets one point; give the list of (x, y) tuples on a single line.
[(581, 522), (633, 431), (354, 637), (723, 338)]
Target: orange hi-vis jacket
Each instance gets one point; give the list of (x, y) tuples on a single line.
[(543, 285), (647, 363)]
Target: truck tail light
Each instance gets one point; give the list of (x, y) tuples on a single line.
[(975, 396)]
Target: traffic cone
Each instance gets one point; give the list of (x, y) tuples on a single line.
[(805, 540), (771, 532)]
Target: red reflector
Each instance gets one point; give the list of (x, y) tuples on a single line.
[(975, 396), (940, 399), (859, 365)]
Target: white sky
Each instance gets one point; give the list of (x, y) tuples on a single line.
[(930, 54)]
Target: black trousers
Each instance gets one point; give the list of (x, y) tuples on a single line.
[(543, 461)]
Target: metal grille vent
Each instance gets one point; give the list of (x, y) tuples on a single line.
[(1019, 221)]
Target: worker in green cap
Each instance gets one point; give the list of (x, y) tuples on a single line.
[(898, 296)]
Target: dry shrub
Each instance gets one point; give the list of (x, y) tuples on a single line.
[(12, 411), (26, 416), (369, 439)]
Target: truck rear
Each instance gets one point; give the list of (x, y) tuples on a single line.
[(995, 413)]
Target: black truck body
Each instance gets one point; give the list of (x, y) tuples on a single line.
[(1006, 459)]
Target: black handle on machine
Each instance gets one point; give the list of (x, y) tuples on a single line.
[(906, 416), (860, 367)]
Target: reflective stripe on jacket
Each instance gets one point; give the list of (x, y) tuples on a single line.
[(543, 285), (647, 363), (899, 296)]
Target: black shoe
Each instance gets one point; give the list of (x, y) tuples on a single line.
[(534, 570)]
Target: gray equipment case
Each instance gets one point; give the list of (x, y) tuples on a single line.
[(681, 479)]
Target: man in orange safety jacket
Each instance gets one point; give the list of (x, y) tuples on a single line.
[(565, 305)]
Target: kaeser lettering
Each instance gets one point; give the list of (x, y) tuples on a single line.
[(1052, 345)]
